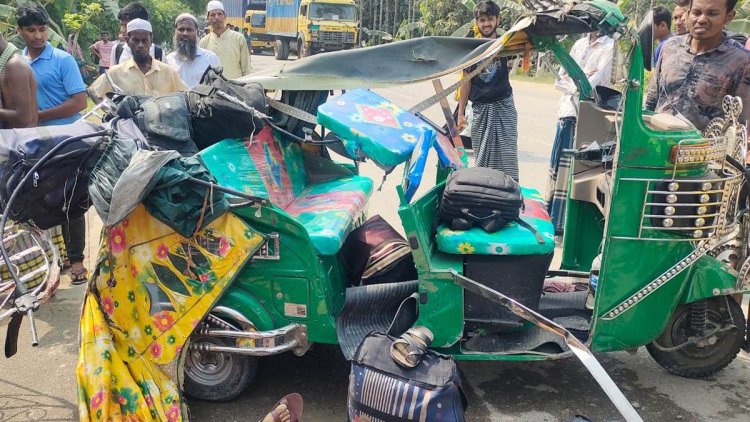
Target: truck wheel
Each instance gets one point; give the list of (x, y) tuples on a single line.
[(303, 49), (281, 49), (217, 377), (715, 353)]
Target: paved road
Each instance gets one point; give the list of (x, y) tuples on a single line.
[(39, 384)]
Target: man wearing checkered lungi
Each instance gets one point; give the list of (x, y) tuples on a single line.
[(494, 130)]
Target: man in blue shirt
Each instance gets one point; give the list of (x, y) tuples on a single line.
[(61, 94)]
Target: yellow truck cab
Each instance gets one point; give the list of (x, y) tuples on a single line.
[(311, 26), (255, 22)]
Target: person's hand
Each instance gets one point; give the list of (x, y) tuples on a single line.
[(462, 122)]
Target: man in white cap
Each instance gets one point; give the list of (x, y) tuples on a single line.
[(189, 59), (121, 52), (141, 74), (229, 45)]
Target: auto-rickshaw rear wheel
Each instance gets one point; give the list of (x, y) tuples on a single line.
[(694, 346), (214, 376)]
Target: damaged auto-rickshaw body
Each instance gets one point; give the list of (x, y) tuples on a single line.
[(659, 202)]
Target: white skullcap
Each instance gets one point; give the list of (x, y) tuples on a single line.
[(139, 25), (186, 16), (214, 5)]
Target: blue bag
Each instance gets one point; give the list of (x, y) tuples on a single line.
[(380, 389)]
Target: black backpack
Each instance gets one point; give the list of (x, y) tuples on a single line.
[(481, 197), (164, 121), (216, 117), (58, 191), (158, 52)]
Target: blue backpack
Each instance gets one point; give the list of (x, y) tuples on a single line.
[(380, 389)]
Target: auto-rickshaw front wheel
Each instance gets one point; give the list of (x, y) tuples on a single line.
[(216, 376), (701, 338)]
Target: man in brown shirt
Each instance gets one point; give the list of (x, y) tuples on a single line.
[(696, 71), (17, 89)]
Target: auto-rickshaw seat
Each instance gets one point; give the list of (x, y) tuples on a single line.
[(666, 122), (510, 240), (370, 125), (271, 167)]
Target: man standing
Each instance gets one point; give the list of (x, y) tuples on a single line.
[(494, 129), (189, 60), (61, 94), (594, 55), (17, 89), (229, 45), (140, 74), (679, 16), (102, 49), (121, 52), (662, 28), (695, 72)]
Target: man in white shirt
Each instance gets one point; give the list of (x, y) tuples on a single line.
[(594, 55), (121, 51), (189, 60)]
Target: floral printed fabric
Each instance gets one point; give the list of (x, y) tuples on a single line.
[(370, 124), (152, 289)]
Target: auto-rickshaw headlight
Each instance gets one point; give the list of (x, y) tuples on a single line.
[(672, 198), (668, 222), (702, 210), (706, 186), (698, 234), (704, 198), (673, 186), (669, 210), (700, 222)]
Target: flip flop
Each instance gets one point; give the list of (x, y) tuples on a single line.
[(294, 404), (79, 277)]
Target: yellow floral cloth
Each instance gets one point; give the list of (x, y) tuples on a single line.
[(152, 289)]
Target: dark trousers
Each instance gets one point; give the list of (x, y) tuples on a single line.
[(74, 233)]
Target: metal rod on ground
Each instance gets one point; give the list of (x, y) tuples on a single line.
[(579, 349)]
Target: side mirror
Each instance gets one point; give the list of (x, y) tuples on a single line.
[(646, 35)]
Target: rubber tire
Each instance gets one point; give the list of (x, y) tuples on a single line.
[(302, 52), (243, 371), (257, 51), (281, 49), (727, 348)]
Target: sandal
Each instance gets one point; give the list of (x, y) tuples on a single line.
[(79, 276), (294, 405)]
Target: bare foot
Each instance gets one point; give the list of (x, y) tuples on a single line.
[(279, 414)]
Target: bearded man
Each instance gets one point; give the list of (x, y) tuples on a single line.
[(140, 74), (189, 60)]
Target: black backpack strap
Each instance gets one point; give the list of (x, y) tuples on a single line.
[(529, 227), (118, 52)]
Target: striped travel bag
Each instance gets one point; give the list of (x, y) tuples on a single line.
[(381, 390)]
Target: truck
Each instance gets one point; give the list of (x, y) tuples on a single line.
[(235, 11), (311, 26), (255, 23)]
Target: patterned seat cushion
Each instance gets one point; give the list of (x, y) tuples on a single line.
[(271, 167), (371, 125), (328, 210), (510, 240)]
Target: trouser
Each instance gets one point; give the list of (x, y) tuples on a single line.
[(74, 232)]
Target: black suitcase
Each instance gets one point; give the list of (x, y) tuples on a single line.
[(480, 197)]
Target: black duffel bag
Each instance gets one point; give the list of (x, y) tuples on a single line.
[(380, 389), (480, 197), (217, 112), (58, 190)]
